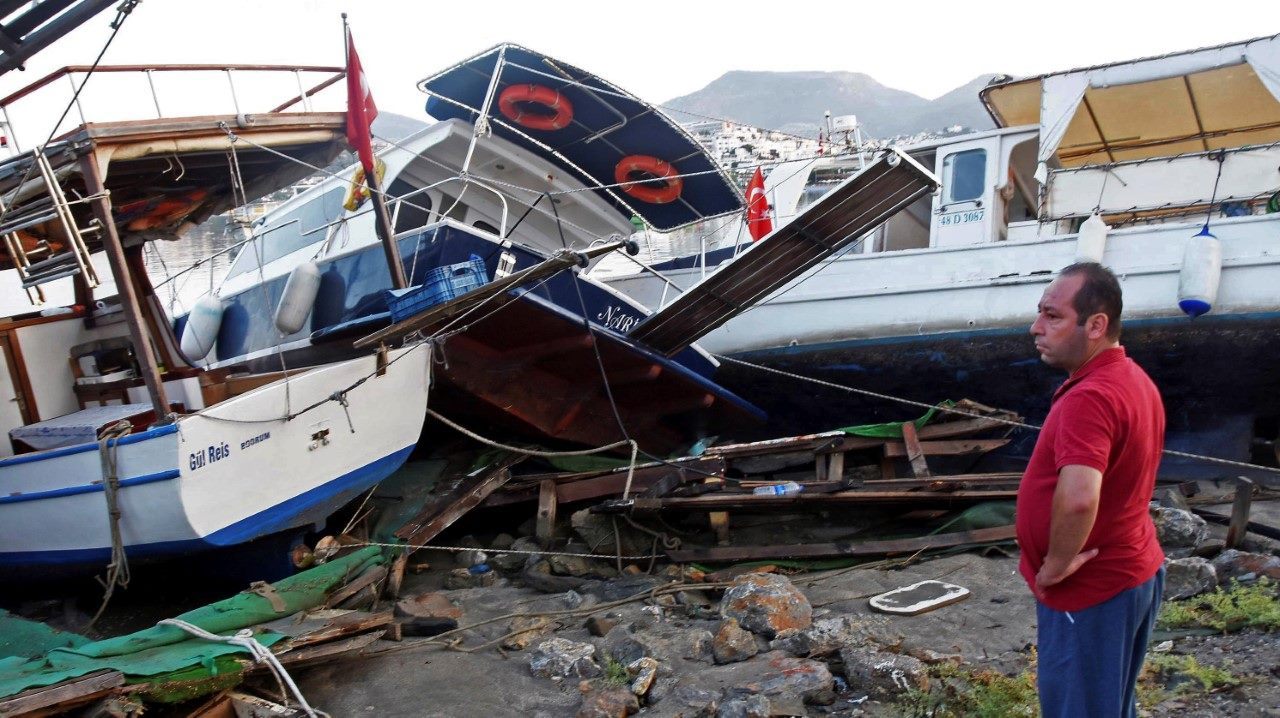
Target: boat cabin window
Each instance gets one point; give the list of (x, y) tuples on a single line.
[(290, 232), (413, 212), (964, 175), (481, 224)]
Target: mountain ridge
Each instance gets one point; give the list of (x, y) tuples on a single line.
[(796, 102)]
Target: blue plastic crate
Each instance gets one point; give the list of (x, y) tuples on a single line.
[(440, 285)]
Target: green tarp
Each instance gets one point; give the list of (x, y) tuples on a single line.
[(893, 429), (164, 650), (28, 639)]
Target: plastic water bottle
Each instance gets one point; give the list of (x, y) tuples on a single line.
[(786, 489)]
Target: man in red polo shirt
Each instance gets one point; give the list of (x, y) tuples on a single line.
[(1089, 548)]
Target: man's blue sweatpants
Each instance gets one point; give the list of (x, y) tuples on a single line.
[(1089, 660)]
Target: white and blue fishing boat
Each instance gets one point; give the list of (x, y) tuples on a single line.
[(114, 445), (529, 156)]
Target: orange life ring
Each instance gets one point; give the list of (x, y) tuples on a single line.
[(644, 189), (555, 110)]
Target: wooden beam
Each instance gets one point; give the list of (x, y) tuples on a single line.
[(915, 453), (361, 582), (546, 520), (854, 549), (1240, 512), (440, 514), (960, 447), (725, 502), (130, 305), (60, 697)]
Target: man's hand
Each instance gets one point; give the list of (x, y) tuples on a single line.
[(1051, 573)]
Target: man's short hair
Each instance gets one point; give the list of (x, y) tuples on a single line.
[(1099, 294)]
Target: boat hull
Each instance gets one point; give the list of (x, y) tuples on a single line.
[(226, 476)]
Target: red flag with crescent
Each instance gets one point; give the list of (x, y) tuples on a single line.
[(360, 108), (758, 222)]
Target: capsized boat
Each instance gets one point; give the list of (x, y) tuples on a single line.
[(511, 190), (112, 441), (533, 156), (1124, 163)]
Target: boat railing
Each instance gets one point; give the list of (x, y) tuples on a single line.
[(244, 93), (1237, 179), (444, 212), (667, 284)]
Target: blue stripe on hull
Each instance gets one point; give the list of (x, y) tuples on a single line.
[(272, 520)]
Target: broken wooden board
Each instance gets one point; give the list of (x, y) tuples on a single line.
[(768, 502), (442, 512), (919, 597), (61, 697), (890, 547)]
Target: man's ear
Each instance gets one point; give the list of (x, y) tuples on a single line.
[(1097, 325)]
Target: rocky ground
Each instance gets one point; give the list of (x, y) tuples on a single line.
[(557, 637)]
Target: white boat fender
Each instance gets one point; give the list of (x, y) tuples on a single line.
[(1091, 243), (298, 298), (201, 331), (1201, 273)]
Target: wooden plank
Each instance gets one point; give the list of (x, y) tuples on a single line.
[(843, 548), (835, 466), (726, 502), (915, 452), (1240, 512), (1271, 532), (55, 699), (945, 483), (350, 624), (361, 582), (955, 447), (602, 484), (545, 526), (439, 515)]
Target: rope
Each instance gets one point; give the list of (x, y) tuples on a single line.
[(974, 415), (261, 654), (118, 573)]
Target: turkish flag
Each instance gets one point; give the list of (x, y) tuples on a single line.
[(360, 108), (758, 222)]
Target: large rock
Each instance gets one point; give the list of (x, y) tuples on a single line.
[(785, 674), (598, 530), (1177, 529), (825, 637), (514, 561), (753, 706), (1187, 577), (562, 658), (767, 604), (1233, 564), (621, 645), (883, 675), (642, 673), (427, 605), (733, 643), (613, 703)]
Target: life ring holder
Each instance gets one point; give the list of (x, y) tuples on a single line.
[(557, 110), (660, 170)]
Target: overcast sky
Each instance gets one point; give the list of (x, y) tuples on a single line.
[(660, 49)]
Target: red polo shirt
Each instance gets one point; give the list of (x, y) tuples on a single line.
[(1108, 416)]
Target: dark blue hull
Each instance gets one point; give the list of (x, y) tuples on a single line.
[(1219, 377)]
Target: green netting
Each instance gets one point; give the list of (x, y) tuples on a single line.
[(27, 639), (163, 650), (893, 429)]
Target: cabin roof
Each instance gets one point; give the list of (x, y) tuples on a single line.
[(1191, 101), (606, 124)]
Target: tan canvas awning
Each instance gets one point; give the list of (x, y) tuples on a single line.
[(1227, 96)]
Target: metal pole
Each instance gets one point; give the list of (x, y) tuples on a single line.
[(129, 302), (154, 96)]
